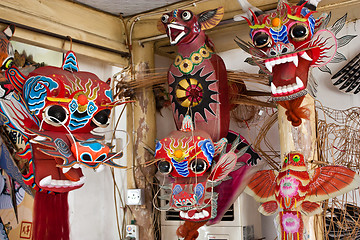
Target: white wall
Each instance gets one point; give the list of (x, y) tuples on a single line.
[(328, 94), (92, 207)]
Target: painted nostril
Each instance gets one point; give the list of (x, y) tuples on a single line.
[(82, 99), (276, 22), (101, 158), (178, 153)]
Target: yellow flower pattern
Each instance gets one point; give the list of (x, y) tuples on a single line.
[(196, 58), (186, 65), (204, 53), (178, 60)]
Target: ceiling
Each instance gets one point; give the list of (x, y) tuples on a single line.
[(125, 7)]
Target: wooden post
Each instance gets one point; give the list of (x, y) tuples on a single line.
[(141, 127), (302, 139)]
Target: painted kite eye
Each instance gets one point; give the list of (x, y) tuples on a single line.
[(8, 63), (296, 158), (164, 167), (55, 115), (299, 32), (86, 157), (186, 15), (261, 39), (286, 159), (101, 119), (165, 18), (198, 166)]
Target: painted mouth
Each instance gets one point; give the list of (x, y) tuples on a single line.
[(196, 215), (53, 178), (49, 155), (56, 166), (176, 32), (288, 81), (48, 182)]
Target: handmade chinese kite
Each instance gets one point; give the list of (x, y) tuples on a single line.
[(286, 44), (55, 110), (197, 78), (203, 181), (205, 178), (297, 190)]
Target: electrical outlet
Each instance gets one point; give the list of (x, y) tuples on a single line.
[(132, 232), (135, 197)]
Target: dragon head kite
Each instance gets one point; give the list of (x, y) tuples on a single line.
[(55, 109), (49, 116), (286, 44), (204, 177), (197, 78)]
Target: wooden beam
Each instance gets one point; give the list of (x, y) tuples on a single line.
[(145, 24), (223, 35), (141, 126), (46, 23)]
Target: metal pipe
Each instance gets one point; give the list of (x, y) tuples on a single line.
[(145, 40)]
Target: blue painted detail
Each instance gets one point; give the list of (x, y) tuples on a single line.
[(175, 13), (35, 92), (76, 122), (73, 106), (62, 147), (91, 108), (199, 191), (281, 35), (70, 63), (182, 168), (94, 146), (196, 27), (208, 149), (311, 19), (177, 189), (157, 147), (109, 94)]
